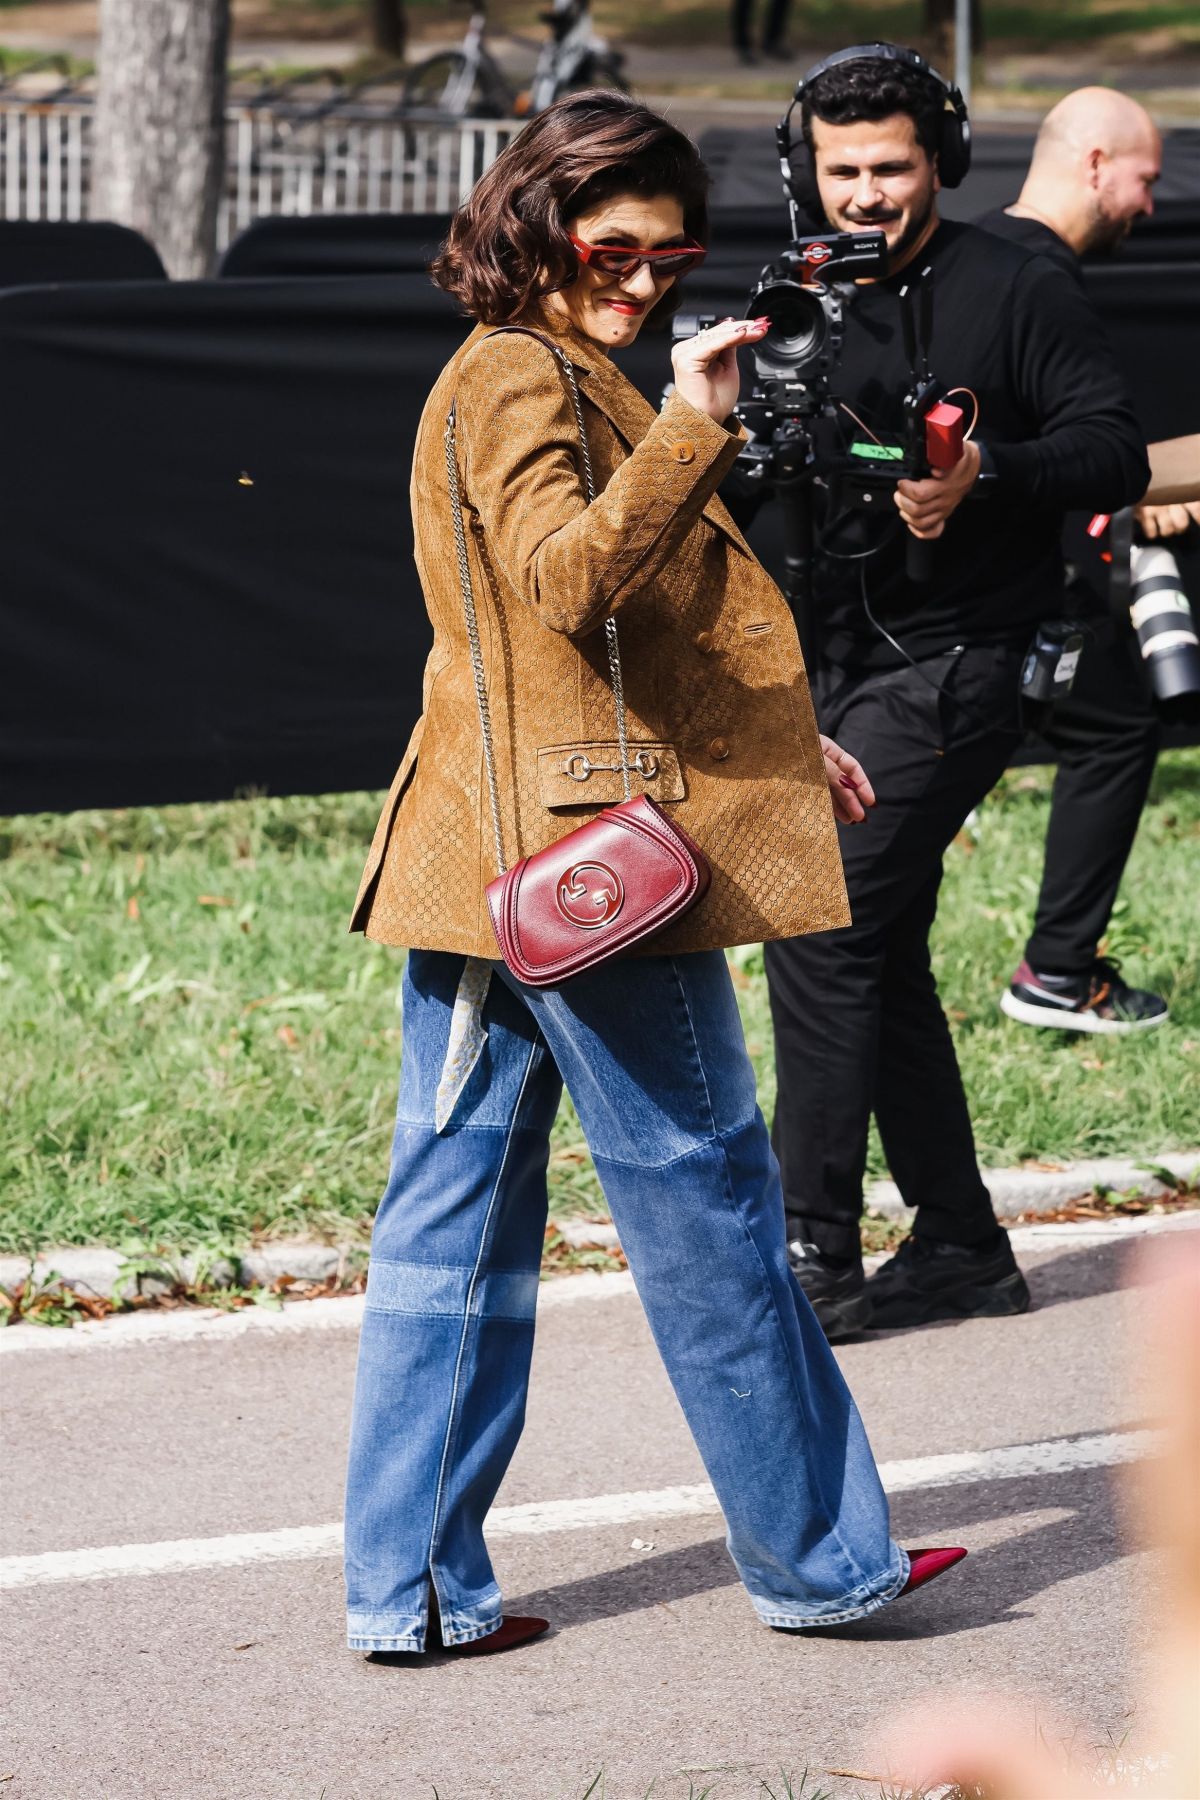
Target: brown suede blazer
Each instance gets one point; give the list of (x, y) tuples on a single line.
[(720, 718)]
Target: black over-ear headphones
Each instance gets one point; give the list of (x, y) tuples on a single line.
[(954, 141)]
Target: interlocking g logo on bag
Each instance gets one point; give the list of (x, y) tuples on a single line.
[(590, 894)]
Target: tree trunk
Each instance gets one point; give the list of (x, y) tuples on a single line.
[(159, 152), (389, 27)]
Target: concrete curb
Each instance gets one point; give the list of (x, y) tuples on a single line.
[(1016, 1191), (1013, 1191), (343, 1312), (97, 1270)]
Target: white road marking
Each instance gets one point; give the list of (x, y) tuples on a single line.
[(345, 1313), (1007, 1462)]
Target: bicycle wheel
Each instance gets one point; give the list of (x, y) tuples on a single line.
[(446, 83)]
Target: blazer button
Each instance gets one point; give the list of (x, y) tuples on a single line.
[(718, 749), (684, 451), (704, 642)]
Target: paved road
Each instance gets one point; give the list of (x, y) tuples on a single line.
[(217, 1670)]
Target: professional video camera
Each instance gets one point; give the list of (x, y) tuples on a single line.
[(795, 369)]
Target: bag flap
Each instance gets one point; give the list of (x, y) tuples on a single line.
[(594, 893)]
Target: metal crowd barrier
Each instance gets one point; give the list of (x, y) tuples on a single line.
[(295, 158)]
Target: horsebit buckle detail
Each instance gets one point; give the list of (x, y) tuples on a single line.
[(581, 768)]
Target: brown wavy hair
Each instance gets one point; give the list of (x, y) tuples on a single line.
[(508, 244)]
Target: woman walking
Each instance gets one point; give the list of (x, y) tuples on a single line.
[(581, 228)]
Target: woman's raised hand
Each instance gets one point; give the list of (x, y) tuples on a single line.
[(706, 368)]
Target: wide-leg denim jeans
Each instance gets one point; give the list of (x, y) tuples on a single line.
[(652, 1053)]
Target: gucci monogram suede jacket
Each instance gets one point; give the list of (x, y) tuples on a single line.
[(721, 725)]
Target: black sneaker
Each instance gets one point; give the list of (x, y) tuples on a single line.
[(834, 1289), (1096, 1001), (928, 1280)]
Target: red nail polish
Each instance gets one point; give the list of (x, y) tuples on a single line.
[(847, 783)]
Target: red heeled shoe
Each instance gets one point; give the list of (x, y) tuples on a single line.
[(927, 1565), (512, 1630)]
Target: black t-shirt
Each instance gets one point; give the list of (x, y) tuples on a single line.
[(1057, 431), (1031, 234)]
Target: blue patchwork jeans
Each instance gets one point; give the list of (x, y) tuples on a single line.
[(652, 1052)]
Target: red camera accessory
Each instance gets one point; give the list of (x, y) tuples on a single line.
[(943, 435), (1097, 526)]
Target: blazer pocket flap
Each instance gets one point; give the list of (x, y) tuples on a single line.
[(590, 774)]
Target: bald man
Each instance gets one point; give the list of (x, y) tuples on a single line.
[(1097, 157), (1095, 162)]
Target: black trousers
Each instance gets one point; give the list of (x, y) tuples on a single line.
[(1106, 734), (740, 17), (858, 1024)]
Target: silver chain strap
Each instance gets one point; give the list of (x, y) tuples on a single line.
[(468, 594)]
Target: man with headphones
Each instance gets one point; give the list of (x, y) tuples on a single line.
[(920, 677)]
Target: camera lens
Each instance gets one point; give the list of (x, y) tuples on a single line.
[(798, 329), (1162, 616)]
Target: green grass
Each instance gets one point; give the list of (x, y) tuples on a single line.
[(692, 22), (195, 1050), (16, 60), (1049, 1095)]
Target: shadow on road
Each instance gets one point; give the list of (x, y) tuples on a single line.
[(996, 1584), (1055, 1279), (1081, 1274)]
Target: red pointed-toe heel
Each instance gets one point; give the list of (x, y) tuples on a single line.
[(927, 1565)]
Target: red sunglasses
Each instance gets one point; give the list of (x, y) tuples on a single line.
[(623, 259)]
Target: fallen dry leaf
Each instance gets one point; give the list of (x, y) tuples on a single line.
[(287, 1036), (132, 909), (250, 1644), (213, 900)]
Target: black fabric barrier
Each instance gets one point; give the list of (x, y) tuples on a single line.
[(743, 238), (745, 168), (336, 244), (36, 251), (209, 584)]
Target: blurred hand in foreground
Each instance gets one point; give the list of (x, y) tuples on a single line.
[(996, 1748)]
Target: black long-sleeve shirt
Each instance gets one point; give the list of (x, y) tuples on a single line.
[(1055, 426)]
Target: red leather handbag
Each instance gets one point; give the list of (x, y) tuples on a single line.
[(616, 880)]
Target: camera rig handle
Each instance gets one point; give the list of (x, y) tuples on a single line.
[(916, 319)]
